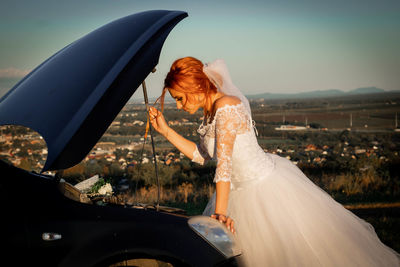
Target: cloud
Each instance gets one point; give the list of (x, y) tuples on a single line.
[(13, 73)]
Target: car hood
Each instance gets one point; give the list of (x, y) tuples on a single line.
[(72, 97)]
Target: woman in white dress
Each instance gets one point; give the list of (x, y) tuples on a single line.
[(280, 217)]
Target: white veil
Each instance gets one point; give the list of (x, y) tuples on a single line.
[(218, 74)]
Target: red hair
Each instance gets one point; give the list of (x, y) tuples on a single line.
[(186, 75)]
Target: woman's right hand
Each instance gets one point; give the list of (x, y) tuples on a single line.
[(227, 221), (158, 122)]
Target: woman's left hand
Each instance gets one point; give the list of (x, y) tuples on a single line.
[(158, 122), (228, 221)]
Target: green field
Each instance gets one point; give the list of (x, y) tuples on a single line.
[(361, 112)]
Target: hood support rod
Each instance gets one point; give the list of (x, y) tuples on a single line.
[(146, 101)]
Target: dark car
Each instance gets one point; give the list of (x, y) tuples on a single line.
[(70, 100)]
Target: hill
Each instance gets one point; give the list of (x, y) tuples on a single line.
[(319, 93)]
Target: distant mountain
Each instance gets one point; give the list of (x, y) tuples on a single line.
[(318, 93), (366, 90)]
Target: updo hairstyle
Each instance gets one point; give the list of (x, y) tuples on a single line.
[(186, 75)]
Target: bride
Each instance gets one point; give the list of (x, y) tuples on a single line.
[(279, 216)]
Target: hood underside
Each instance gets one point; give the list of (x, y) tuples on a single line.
[(72, 97)]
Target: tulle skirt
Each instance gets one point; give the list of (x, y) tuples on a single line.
[(284, 219)]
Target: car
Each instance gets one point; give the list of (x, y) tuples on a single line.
[(70, 100)]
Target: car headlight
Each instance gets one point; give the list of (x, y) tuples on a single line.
[(216, 234)]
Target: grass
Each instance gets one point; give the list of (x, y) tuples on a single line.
[(385, 218)]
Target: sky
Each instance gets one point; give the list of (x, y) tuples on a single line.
[(284, 46)]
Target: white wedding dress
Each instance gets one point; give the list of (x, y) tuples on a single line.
[(281, 217)]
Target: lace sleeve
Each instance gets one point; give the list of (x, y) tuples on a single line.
[(227, 123), (200, 155)]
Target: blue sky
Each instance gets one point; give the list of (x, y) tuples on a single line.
[(270, 46)]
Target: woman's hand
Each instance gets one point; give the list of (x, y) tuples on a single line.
[(225, 220), (158, 122)]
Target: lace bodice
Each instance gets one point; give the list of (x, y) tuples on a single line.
[(230, 140)]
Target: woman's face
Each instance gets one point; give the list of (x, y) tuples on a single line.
[(183, 103)]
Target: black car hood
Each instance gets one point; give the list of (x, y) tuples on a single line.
[(72, 97)]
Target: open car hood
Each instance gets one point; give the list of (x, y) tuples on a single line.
[(72, 97)]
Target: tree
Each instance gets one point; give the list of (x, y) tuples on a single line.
[(92, 168)]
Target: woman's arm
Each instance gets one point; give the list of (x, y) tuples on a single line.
[(222, 196), (226, 125), (184, 145), (158, 122), (221, 205)]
